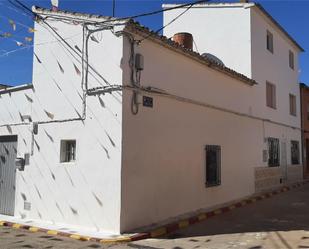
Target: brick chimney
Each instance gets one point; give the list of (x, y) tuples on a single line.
[(184, 39)]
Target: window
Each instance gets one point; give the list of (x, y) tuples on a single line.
[(292, 104), (273, 152), (270, 95), (291, 59), (213, 165), (270, 42), (295, 152), (67, 151)]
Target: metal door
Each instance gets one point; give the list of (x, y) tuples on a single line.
[(307, 158), (8, 149)]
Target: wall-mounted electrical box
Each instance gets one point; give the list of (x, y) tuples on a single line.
[(147, 101), (20, 163), (35, 128)]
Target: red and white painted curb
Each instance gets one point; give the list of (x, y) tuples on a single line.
[(160, 231)]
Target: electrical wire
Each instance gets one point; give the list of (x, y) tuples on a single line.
[(128, 17), (157, 11), (30, 46), (18, 4), (71, 50), (196, 48), (169, 23), (19, 23)]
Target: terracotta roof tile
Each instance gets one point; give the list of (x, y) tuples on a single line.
[(163, 40)]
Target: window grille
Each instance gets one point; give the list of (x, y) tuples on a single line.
[(213, 165), (273, 152)]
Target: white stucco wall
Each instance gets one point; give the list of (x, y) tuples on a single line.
[(236, 33), (274, 67), (163, 171), (85, 192), (220, 29), (135, 170)]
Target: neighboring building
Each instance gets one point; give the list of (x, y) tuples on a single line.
[(148, 131), (304, 96), (246, 38)]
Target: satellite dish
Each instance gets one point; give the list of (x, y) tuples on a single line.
[(213, 58)]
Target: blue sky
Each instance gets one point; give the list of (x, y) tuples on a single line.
[(16, 67)]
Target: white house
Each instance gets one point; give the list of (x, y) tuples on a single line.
[(123, 128)]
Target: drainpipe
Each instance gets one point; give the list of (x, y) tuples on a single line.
[(302, 131)]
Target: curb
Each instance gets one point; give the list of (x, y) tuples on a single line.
[(160, 231), (64, 234), (169, 228)]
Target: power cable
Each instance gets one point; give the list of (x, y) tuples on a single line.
[(133, 16), (195, 46), (22, 7), (75, 52), (156, 11), (169, 23)]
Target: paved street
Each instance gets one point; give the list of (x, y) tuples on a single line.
[(281, 222)]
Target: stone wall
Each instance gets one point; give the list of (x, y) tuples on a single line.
[(295, 173), (267, 178)]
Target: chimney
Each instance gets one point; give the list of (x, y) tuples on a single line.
[(55, 5), (184, 39), (244, 1)]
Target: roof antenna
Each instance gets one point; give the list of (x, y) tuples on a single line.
[(55, 4), (114, 5)]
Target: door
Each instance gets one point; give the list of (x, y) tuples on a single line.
[(284, 161), (307, 158), (8, 149)]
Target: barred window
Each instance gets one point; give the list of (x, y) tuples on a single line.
[(213, 165), (273, 152), (295, 152)]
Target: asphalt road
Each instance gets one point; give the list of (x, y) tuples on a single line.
[(281, 222)]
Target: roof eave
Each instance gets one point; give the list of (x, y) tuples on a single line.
[(164, 41), (261, 8), (82, 17)]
